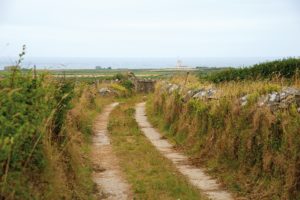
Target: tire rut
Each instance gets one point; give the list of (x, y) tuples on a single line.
[(106, 173), (196, 176)]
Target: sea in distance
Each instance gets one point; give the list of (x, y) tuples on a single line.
[(52, 63)]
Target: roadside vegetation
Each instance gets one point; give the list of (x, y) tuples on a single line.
[(150, 174), (252, 149), (285, 68), (45, 126)]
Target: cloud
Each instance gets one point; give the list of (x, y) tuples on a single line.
[(4, 7), (151, 28)]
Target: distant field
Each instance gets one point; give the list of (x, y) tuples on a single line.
[(90, 75), (105, 73), (145, 73)]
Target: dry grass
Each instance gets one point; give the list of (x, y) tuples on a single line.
[(254, 151), (68, 169), (150, 174)]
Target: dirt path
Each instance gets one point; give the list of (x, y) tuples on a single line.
[(196, 176), (107, 174)]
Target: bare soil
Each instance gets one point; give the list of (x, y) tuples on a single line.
[(107, 174)]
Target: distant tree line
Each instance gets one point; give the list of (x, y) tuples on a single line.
[(102, 68), (286, 68)]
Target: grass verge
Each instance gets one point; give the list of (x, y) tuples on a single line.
[(69, 170), (150, 174)]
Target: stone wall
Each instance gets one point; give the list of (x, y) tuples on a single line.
[(145, 86)]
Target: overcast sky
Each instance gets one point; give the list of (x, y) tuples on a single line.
[(150, 28)]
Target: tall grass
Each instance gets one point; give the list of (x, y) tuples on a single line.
[(44, 130), (253, 150)]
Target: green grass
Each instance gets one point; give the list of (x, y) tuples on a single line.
[(109, 74), (150, 174), (92, 75)]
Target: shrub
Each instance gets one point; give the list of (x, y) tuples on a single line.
[(32, 109), (127, 84), (120, 90), (119, 76), (286, 68)]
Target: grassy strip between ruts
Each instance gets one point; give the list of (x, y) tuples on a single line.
[(150, 174)]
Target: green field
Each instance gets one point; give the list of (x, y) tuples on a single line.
[(143, 73), (91, 75)]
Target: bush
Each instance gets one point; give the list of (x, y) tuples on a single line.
[(127, 84), (120, 90), (31, 108), (119, 76), (286, 68)]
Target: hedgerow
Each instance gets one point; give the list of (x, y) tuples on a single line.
[(286, 68), (252, 149), (44, 123), (30, 107)]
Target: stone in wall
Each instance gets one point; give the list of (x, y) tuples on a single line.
[(275, 100), (189, 95), (206, 94), (172, 88), (104, 91), (244, 100)]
